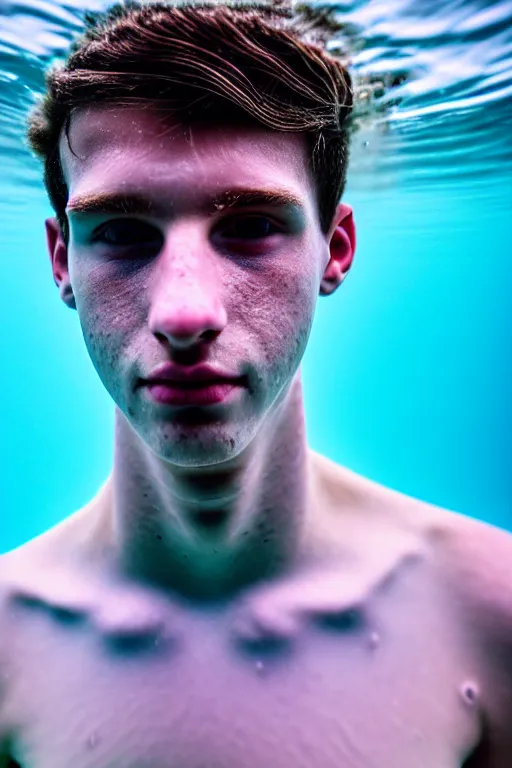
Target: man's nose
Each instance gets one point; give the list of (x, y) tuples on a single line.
[(186, 297)]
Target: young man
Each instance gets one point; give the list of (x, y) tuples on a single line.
[(230, 599)]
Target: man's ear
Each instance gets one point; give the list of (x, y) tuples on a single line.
[(342, 246), (58, 252)]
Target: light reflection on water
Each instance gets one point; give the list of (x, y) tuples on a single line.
[(454, 114)]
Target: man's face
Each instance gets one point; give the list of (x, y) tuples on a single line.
[(177, 279)]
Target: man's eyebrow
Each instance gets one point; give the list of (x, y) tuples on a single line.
[(136, 204)]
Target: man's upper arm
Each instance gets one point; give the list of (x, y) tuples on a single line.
[(479, 561)]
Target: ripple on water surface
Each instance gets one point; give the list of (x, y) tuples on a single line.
[(443, 114)]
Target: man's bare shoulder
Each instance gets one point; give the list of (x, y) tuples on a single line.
[(478, 562), (66, 541), (464, 543), (372, 502), (474, 557), (472, 560), (478, 557)]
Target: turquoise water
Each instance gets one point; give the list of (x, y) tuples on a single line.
[(408, 374)]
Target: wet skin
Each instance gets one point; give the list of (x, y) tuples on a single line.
[(230, 598), (364, 660)]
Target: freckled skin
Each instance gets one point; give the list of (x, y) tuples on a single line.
[(229, 598), (264, 306), (245, 306)]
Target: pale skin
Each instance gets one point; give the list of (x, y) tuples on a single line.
[(230, 597)]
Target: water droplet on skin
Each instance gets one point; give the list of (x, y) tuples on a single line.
[(374, 640), (469, 692), (92, 741)]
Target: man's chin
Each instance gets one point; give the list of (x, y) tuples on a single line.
[(196, 450)]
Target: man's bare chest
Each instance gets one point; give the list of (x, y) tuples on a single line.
[(321, 675)]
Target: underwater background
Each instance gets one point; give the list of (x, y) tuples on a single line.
[(408, 372)]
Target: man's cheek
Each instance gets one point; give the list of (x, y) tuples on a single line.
[(104, 339), (295, 319)]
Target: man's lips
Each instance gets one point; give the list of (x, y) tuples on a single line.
[(201, 386), (194, 377), (189, 384)]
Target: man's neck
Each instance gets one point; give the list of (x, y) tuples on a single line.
[(208, 532)]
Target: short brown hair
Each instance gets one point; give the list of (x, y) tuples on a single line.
[(208, 63)]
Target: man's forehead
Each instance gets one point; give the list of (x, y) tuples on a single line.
[(124, 137)]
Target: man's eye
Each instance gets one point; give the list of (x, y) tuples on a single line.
[(251, 227), (123, 234)]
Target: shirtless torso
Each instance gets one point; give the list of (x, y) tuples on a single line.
[(366, 663)]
